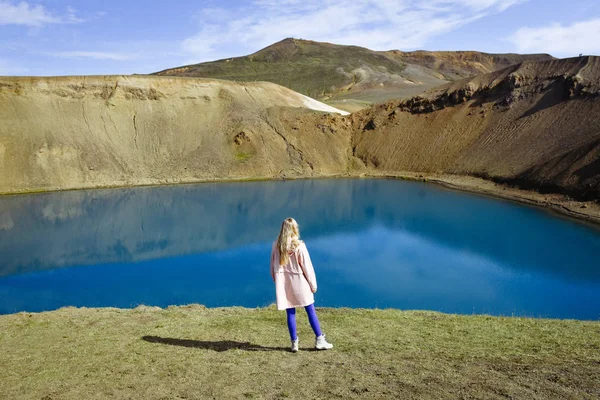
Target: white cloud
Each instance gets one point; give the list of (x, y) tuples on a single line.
[(97, 55), (375, 24), (580, 37), (72, 17), (489, 4), (24, 13)]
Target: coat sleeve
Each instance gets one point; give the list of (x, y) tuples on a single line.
[(272, 266), (307, 267)]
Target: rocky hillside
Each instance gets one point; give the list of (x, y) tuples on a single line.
[(453, 65), (349, 76), (536, 125), (76, 132)]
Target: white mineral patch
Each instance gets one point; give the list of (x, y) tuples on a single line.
[(318, 106)]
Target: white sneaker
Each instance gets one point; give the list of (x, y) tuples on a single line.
[(295, 345), (322, 344)]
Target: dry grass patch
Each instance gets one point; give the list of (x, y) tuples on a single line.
[(195, 352)]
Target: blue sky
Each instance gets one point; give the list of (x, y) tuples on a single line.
[(62, 37)]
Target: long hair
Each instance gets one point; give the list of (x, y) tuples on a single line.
[(288, 240)]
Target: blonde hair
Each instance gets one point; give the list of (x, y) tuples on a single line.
[(288, 240)]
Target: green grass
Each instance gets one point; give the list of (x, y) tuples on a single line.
[(242, 156), (194, 352)]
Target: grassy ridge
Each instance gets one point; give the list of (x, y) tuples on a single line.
[(195, 352), (311, 68), (310, 77)]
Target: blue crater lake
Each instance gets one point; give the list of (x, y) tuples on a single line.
[(375, 243)]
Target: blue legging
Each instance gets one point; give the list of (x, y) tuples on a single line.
[(312, 318)]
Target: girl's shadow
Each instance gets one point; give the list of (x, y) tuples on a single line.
[(222, 345)]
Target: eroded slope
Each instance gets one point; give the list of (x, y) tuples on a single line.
[(453, 65), (536, 124), (77, 132)]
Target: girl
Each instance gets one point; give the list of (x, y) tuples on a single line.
[(295, 281)]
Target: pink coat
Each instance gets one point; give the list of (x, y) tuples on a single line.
[(294, 280)]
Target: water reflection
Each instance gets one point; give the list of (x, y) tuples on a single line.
[(376, 243)]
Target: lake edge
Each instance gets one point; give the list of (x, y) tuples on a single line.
[(559, 204)]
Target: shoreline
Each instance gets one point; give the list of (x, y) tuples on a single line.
[(272, 307), (560, 205)]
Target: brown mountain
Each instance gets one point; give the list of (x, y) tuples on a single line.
[(351, 77), (535, 124)]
